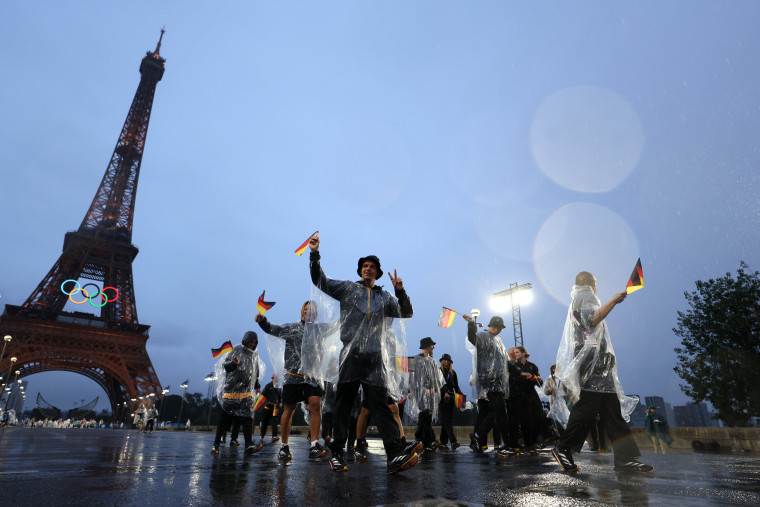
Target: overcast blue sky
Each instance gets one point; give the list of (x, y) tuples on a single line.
[(467, 144)]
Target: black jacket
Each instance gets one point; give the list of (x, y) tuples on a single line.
[(451, 385)]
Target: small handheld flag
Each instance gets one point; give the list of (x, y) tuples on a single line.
[(402, 364), (274, 411), (446, 319), (636, 281), (460, 400), (262, 306), (259, 403), (226, 347), (301, 249)]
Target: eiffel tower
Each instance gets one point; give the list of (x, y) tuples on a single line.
[(108, 345)]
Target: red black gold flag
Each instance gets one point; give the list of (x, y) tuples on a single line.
[(301, 249), (459, 400), (446, 319), (226, 347), (262, 306), (259, 403), (636, 281)]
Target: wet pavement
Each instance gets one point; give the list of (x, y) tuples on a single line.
[(117, 467)]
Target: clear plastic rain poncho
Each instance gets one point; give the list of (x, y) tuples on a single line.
[(365, 335), (426, 383), (585, 359), (477, 391), (276, 350), (234, 388), (491, 364)]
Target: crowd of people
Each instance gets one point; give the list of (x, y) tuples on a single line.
[(366, 373)]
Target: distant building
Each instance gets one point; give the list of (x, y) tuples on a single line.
[(15, 397), (694, 415), (638, 414)]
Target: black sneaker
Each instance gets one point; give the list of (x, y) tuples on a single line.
[(565, 459), (454, 446), (214, 449), (253, 448), (317, 451), (401, 462), (337, 463), (531, 451), (430, 450), (633, 465), (444, 447), (284, 453), (234, 443), (411, 447), (359, 455), (506, 452), (474, 444)]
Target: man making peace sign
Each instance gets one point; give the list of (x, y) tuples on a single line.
[(366, 311)]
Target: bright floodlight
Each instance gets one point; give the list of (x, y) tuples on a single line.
[(500, 304), (13, 359), (7, 337), (475, 313)]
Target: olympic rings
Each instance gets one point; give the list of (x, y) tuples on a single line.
[(88, 296)]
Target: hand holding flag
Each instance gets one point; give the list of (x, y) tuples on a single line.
[(301, 249), (262, 306)]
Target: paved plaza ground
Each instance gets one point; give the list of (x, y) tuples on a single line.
[(118, 467)]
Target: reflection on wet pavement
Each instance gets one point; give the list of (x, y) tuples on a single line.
[(115, 467)]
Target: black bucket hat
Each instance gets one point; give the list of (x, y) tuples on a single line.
[(446, 357), (426, 342), (372, 258), (497, 322)]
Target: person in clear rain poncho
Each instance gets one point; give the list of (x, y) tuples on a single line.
[(587, 366), (297, 386), (493, 378), (366, 356), (426, 392), (238, 373)]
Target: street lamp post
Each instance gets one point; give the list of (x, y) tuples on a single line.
[(6, 339), (513, 292), (210, 378), (8, 377), (475, 314), (182, 403), (161, 405)]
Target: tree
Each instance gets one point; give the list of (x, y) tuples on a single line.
[(719, 357)]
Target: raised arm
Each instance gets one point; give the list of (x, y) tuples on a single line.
[(472, 329), (333, 288), (605, 310), (267, 327)]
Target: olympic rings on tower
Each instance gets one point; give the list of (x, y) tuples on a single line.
[(87, 295)]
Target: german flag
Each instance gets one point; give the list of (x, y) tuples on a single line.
[(460, 400), (402, 364), (274, 411), (636, 281), (446, 318), (262, 306), (259, 403), (301, 249), (226, 347)]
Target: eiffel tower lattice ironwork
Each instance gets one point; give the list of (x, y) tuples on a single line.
[(110, 347)]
